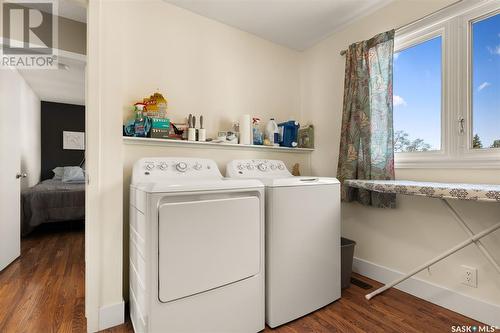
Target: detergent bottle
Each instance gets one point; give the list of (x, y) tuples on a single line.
[(272, 134)]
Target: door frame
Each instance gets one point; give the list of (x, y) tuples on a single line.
[(92, 166), (92, 158)]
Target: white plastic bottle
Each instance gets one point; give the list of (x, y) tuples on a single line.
[(246, 130), (272, 132)]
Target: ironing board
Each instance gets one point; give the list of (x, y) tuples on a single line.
[(443, 192)]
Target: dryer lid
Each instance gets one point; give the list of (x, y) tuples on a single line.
[(190, 185)]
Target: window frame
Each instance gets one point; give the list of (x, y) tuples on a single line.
[(468, 20), (454, 25), (405, 42)]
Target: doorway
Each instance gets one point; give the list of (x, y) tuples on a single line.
[(42, 209)]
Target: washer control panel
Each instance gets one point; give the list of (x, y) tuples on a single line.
[(256, 169), (153, 169)]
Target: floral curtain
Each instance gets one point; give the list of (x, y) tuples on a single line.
[(366, 145)]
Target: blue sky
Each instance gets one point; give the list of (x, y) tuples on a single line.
[(417, 86), (417, 92), (486, 79)]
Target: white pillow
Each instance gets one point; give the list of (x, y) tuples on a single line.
[(58, 173), (73, 174)]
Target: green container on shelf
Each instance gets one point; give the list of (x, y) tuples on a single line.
[(160, 123)]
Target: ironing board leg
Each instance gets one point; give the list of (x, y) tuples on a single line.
[(466, 228), (456, 248)]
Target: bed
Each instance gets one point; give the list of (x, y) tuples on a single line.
[(51, 201)]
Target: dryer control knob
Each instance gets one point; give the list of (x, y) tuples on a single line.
[(181, 167), (262, 167), (150, 166), (162, 166), (249, 166), (273, 167), (197, 166)]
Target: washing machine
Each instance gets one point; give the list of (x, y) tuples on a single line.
[(302, 238), (196, 248)]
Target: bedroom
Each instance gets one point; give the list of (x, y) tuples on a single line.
[(59, 196)]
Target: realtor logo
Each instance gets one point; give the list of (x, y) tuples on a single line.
[(29, 32)]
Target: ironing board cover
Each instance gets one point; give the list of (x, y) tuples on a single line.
[(474, 192)]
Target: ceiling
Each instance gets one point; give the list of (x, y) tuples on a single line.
[(63, 85), (297, 24)]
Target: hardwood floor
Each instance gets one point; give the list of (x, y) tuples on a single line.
[(43, 291)]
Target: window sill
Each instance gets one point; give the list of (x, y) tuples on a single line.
[(447, 163)]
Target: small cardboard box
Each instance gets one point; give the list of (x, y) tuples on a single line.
[(159, 133)]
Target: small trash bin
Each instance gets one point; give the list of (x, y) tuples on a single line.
[(347, 256)]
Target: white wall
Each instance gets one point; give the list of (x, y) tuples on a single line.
[(72, 34), (203, 67), (420, 228)]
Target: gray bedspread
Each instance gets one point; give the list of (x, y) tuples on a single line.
[(51, 201)]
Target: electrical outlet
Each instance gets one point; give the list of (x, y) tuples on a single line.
[(469, 276)]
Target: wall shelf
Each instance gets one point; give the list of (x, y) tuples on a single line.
[(210, 145)]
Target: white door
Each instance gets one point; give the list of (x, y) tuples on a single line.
[(10, 159)]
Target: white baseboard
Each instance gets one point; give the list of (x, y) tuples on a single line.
[(478, 310), (111, 315)]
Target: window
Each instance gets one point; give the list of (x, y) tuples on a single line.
[(447, 88), (485, 88), (417, 120)]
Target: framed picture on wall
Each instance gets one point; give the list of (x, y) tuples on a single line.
[(73, 140)]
